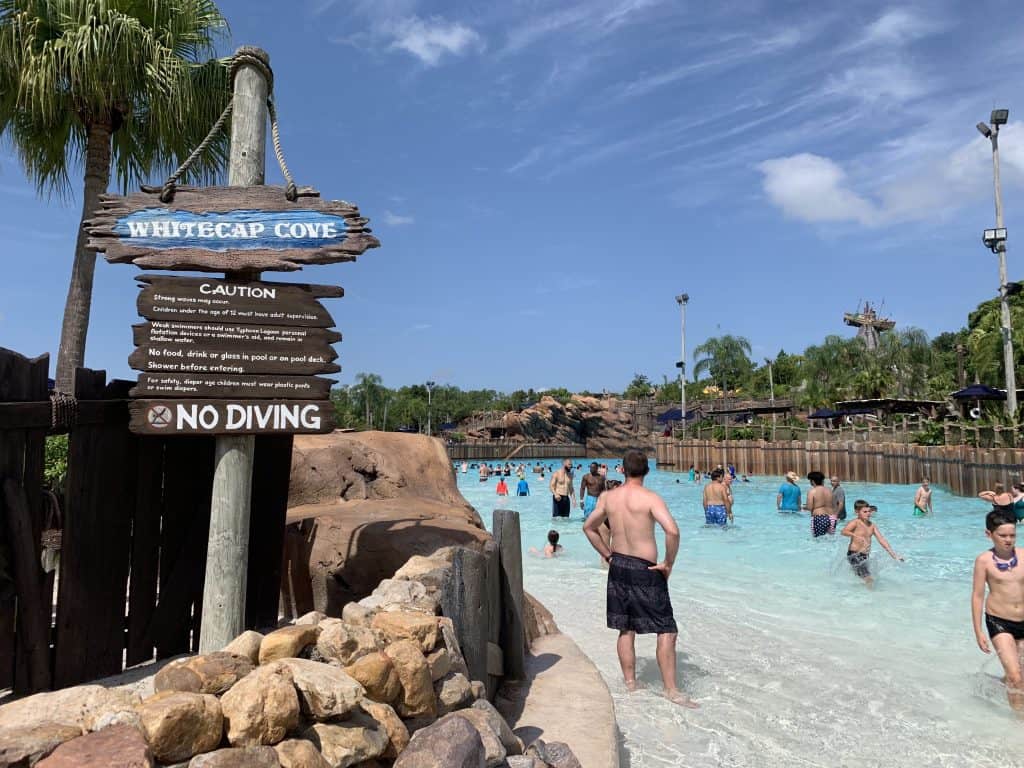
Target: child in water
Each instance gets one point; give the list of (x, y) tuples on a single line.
[(860, 530), (552, 548), (997, 568)]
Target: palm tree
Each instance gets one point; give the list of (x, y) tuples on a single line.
[(985, 339), (89, 83), (367, 390), (725, 359)]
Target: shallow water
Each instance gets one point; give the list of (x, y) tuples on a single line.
[(793, 660)]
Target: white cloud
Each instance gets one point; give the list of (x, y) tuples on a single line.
[(899, 25), (893, 81), (431, 39), (395, 220), (814, 188), (933, 187)]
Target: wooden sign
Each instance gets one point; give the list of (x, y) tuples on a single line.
[(227, 229), (196, 299), (202, 334), (234, 358), (177, 385), (231, 417)]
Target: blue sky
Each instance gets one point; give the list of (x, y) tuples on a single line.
[(546, 176)]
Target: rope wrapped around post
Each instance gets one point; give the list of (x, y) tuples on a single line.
[(245, 56)]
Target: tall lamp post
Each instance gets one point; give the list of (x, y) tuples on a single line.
[(771, 390), (430, 388), (681, 300), (995, 240)]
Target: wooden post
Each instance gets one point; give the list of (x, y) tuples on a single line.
[(227, 554), (464, 602), (510, 551)]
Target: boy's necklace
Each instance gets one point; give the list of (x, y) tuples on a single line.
[(1004, 565)]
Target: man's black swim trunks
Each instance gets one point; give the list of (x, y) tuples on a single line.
[(997, 626), (638, 598)]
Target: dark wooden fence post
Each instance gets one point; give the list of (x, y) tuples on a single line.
[(510, 551), (24, 642), (464, 602)]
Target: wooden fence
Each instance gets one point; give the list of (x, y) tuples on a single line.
[(500, 449), (965, 470), (135, 525)]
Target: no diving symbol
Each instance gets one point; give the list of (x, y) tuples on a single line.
[(159, 416)]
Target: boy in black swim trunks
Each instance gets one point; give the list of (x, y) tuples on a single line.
[(998, 569), (860, 530)]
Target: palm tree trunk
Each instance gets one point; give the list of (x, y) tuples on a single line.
[(71, 354)]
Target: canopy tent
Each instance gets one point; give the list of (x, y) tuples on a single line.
[(979, 392), (824, 413), (674, 413)]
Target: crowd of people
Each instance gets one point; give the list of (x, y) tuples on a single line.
[(619, 520)]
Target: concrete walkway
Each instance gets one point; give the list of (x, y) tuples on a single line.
[(564, 699)]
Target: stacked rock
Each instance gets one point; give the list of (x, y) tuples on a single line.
[(384, 685)]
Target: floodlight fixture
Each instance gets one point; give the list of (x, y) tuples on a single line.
[(993, 238), (682, 298), (1000, 116), (984, 130)]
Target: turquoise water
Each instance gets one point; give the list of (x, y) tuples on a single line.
[(793, 660)]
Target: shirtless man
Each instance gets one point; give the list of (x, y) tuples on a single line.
[(485, 472), (923, 500), (860, 530), (638, 599), (562, 494), (591, 486), (717, 500), (819, 504), (999, 569)]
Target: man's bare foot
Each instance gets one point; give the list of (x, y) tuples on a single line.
[(632, 686), (680, 698)]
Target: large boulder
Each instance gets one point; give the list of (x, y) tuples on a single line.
[(178, 725), (325, 692), (407, 625), (261, 707), (377, 674), (287, 642), (27, 746), (237, 757), (451, 742), (299, 753), (83, 706), (345, 643), (360, 505), (349, 742), (209, 673), (119, 746), (417, 698), (398, 734)]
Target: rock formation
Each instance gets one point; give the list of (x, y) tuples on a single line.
[(360, 504), (603, 424)]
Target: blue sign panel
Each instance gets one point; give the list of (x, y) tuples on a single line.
[(162, 229)]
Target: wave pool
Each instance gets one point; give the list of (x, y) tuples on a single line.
[(793, 661)]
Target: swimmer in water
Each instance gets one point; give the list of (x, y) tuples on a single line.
[(717, 500), (1000, 571), (860, 530), (552, 548)]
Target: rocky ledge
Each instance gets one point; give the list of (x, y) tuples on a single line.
[(386, 684)]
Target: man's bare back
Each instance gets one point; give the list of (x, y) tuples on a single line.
[(631, 511)]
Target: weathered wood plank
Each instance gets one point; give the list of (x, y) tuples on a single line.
[(33, 610), (227, 385), (38, 415), (95, 557), (271, 472), (235, 358), (196, 299), (188, 479), (231, 417), (227, 229), (145, 557), (21, 379)]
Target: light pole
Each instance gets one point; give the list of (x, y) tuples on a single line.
[(430, 388), (771, 390), (995, 239), (681, 300)]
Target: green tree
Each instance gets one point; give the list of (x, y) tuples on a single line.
[(985, 340), (368, 390), (726, 359), (87, 84), (829, 369), (639, 387)]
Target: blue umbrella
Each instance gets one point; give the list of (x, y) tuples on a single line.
[(979, 392)]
